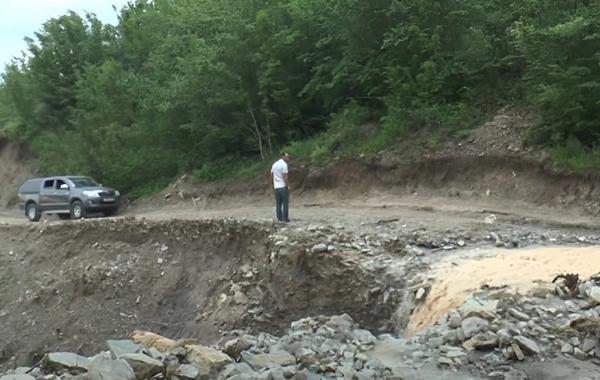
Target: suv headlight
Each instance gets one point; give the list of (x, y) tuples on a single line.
[(90, 194), (117, 193)]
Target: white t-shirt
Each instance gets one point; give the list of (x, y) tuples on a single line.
[(278, 169)]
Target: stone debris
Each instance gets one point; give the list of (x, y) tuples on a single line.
[(494, 327), (312, 348), (484, 336)]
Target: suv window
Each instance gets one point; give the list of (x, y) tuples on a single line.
[(59, 183), (83, 182), (48, 184)]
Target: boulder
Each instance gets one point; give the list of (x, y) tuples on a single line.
[(103, 367), (144, 366), (527, 345), (208, 360), (473, 325), (66, 361), (120, 347), (274, 359)]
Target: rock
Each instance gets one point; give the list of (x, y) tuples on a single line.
[(120, 347), (208, 360), (473, 325), (519, 315), (527, 345), (460, 334), (454, 319), (579, 354), (237, 369), (585, 288), (543, 290), (17, 377), (560, 292), (443, 361), (475, 307), (35, 372), (436, 342), (341, 322), (74, 363), (319, 248), (418, 355), (484, 341), (589, 343), (235, 346), (261, 361), (566, 349), (363, 337), (517, 351), (143, 366), (104, 367), (504, 337), (456, 354), (185, 372), (508, 353), (421, 293), (306, 357)]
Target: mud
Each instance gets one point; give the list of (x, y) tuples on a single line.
[(518, 270)]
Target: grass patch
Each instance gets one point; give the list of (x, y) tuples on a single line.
[(353, 132), (229, 168), (148, 189), (581, 161)]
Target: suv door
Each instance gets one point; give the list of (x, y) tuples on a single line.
[(48, 195), (62, 195)]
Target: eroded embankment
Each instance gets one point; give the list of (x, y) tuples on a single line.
[(511, 179), (72, 285)]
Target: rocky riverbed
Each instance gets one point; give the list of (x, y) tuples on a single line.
[(353, 301), (483, 339)]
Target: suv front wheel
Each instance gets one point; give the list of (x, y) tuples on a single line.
[(33, 213), (77, 210)]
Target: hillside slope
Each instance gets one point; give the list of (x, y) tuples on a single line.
[(491, 164), (15, 167)]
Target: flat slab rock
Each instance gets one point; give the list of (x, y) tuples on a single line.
[(143, 365), (103, 367), (66, 360), (527, 345), (259, 362), (17, 377), (208, 360), (120, 347)]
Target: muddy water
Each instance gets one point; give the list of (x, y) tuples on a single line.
[(458, 278)]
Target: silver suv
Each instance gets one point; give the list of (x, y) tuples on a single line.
[(68, 197)]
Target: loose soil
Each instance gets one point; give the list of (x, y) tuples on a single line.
[(73, 285)]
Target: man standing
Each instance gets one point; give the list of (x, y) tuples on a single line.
[(279, 180)]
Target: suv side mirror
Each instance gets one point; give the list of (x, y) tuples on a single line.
[(64, 186)]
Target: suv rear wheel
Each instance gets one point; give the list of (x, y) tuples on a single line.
[(33, 214), (77, 210)]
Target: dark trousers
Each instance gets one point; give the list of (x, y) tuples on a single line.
[(282, 198)]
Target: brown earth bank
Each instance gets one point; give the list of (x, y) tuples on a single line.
[(15, 168), (71, 286), (510, 179)]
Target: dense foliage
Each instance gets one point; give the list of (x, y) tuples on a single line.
[(180, 84)]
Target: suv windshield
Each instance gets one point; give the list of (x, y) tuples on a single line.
[(84, 182)]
